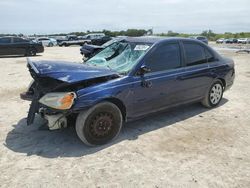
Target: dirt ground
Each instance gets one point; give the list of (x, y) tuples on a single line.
[(185, 147)]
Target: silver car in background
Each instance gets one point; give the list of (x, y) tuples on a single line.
[(49, 42)]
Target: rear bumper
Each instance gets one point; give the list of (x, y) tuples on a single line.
[(230, 80)]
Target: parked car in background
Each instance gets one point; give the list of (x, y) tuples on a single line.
[(200, 38), (125, 81), (19, 46), (244, 40), (92, 36), (49, 42), (230, 41), (89, 50), (100, 41), (74, 42), (220, 41), (71, 37), (233, 40), (60, 39)]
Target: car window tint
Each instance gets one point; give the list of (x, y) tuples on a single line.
[(209, 56), (164, 57), (195, 54), (18, 40), (5, 40)]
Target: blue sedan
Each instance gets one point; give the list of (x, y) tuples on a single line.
[(127, 80)]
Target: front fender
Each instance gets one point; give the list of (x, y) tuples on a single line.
[(88, 97)]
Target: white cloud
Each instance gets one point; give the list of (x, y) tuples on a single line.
[(51, 16)]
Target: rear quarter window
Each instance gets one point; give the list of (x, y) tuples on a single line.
[(195, 54), (18, 40), (210, 57)]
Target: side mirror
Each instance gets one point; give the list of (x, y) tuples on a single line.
[(144, 69)]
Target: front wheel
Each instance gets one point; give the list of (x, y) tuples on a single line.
[(100, 124), (213, 95)]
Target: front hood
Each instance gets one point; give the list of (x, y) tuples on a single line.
[(67, 71)]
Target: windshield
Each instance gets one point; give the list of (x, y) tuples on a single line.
[(119, 56)]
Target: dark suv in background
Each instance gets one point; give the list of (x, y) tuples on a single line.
[(19, 46)]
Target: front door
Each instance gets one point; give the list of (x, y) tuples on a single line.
[(159, 88)]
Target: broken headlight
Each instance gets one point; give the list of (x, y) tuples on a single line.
[(59, 100)]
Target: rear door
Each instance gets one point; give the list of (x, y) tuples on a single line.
[(196, 78), (20, 45)]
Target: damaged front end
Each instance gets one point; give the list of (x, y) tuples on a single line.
[(52, 95), (50, 101)]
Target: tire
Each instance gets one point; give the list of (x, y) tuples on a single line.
[(213, 95), (30, 52), (100, 124), (50, 45)]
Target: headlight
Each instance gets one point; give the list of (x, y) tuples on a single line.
[(61, 101)]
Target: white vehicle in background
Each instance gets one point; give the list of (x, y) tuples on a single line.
[(47, 41), (244, 40), (220, 41)]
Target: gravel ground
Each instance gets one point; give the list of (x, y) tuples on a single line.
[(185, 147)]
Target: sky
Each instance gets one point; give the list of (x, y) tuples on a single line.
[(64, 16)]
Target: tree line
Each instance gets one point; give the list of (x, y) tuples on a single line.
[(141, 32), (209, 34)]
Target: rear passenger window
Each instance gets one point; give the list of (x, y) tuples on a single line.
[(209, 56), (164, 57), (18, 40), (195, 54)]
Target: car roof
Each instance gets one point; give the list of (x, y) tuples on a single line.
[(155, 39)]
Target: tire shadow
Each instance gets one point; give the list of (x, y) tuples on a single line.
[(65, 143)]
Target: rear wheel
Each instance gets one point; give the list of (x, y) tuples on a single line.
[(100, 124), (214, 95), (30, 52), (50, 44)]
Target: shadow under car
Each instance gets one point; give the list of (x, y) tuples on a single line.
[(65, 143)]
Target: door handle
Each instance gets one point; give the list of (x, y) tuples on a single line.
[(147, 84)]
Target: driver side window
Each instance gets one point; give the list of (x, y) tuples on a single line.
[(164, 57)]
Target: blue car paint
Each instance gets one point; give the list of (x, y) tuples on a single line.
[(169, 88), (69, 72)]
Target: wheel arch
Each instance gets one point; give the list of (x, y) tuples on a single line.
[(119, 104), (223, 82)]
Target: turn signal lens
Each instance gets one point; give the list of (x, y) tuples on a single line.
[(67, 101)]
